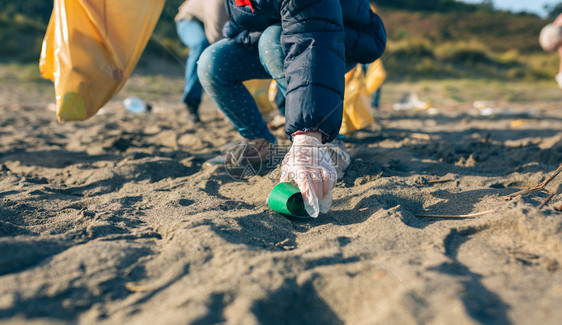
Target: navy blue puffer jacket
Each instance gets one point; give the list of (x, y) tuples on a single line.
[(319, 38)]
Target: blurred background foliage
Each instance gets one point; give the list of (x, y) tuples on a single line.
[(427, 39)]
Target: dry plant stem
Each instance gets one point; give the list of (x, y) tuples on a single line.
[(436, 181), (472, 215), (537, 188), (548, 198)]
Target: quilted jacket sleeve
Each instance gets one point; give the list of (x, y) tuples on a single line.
[(313, 40), (365, 36)]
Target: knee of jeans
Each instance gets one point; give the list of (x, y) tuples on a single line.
[(272, 33), (270, 40), (208, 69), (270, 50)]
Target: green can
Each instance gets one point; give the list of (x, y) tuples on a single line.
[(286, 199)]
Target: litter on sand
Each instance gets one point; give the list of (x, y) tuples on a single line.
[(411, 101)]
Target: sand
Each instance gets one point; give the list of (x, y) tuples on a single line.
[(114, 221)]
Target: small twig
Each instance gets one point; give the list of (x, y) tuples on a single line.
[(436, 181), (548, 198), (537, 188), (472, 215), (524, 255)]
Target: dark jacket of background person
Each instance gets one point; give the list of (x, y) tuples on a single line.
[(319, 37)]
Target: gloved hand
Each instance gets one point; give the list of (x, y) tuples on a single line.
[(310, 166)]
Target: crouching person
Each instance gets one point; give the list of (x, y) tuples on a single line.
[(306, 46)]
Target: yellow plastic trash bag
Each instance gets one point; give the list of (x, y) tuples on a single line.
[(375, 76), (272, 93), (259, 88), (357, 102), (91, 48)]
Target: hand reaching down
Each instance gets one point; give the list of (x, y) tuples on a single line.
[(309, 164)]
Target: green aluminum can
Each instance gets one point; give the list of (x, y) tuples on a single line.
[(286, 199)]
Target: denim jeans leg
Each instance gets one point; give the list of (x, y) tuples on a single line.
[(271, 55), (272, 59), (222, 68), (192, 35), (376, 98)]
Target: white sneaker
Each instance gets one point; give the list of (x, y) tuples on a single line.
[(559, 79)]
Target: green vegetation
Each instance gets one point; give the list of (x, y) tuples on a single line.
[(20, 37), (474, 44), (554, 11), (427, 39), (430, 5)]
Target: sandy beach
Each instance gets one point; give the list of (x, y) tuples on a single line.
[(114, 220)]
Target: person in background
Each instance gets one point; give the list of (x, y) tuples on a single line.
[(306, 46), (551, 41), (199, 23)]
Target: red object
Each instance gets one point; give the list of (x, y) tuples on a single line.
[(306, 130), (241, 3)]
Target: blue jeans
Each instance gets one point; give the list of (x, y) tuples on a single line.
[(223, 67), (192, 34), (376, 98)]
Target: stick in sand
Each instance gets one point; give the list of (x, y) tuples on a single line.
[(537, 188), (548, 198), (472, 215), (442, 180)]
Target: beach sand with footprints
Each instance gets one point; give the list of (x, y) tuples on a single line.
[(114, 220)]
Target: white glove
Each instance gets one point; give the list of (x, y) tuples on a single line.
[(310, 166), (559, 79)]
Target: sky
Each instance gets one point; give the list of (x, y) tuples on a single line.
[(535, 6)]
